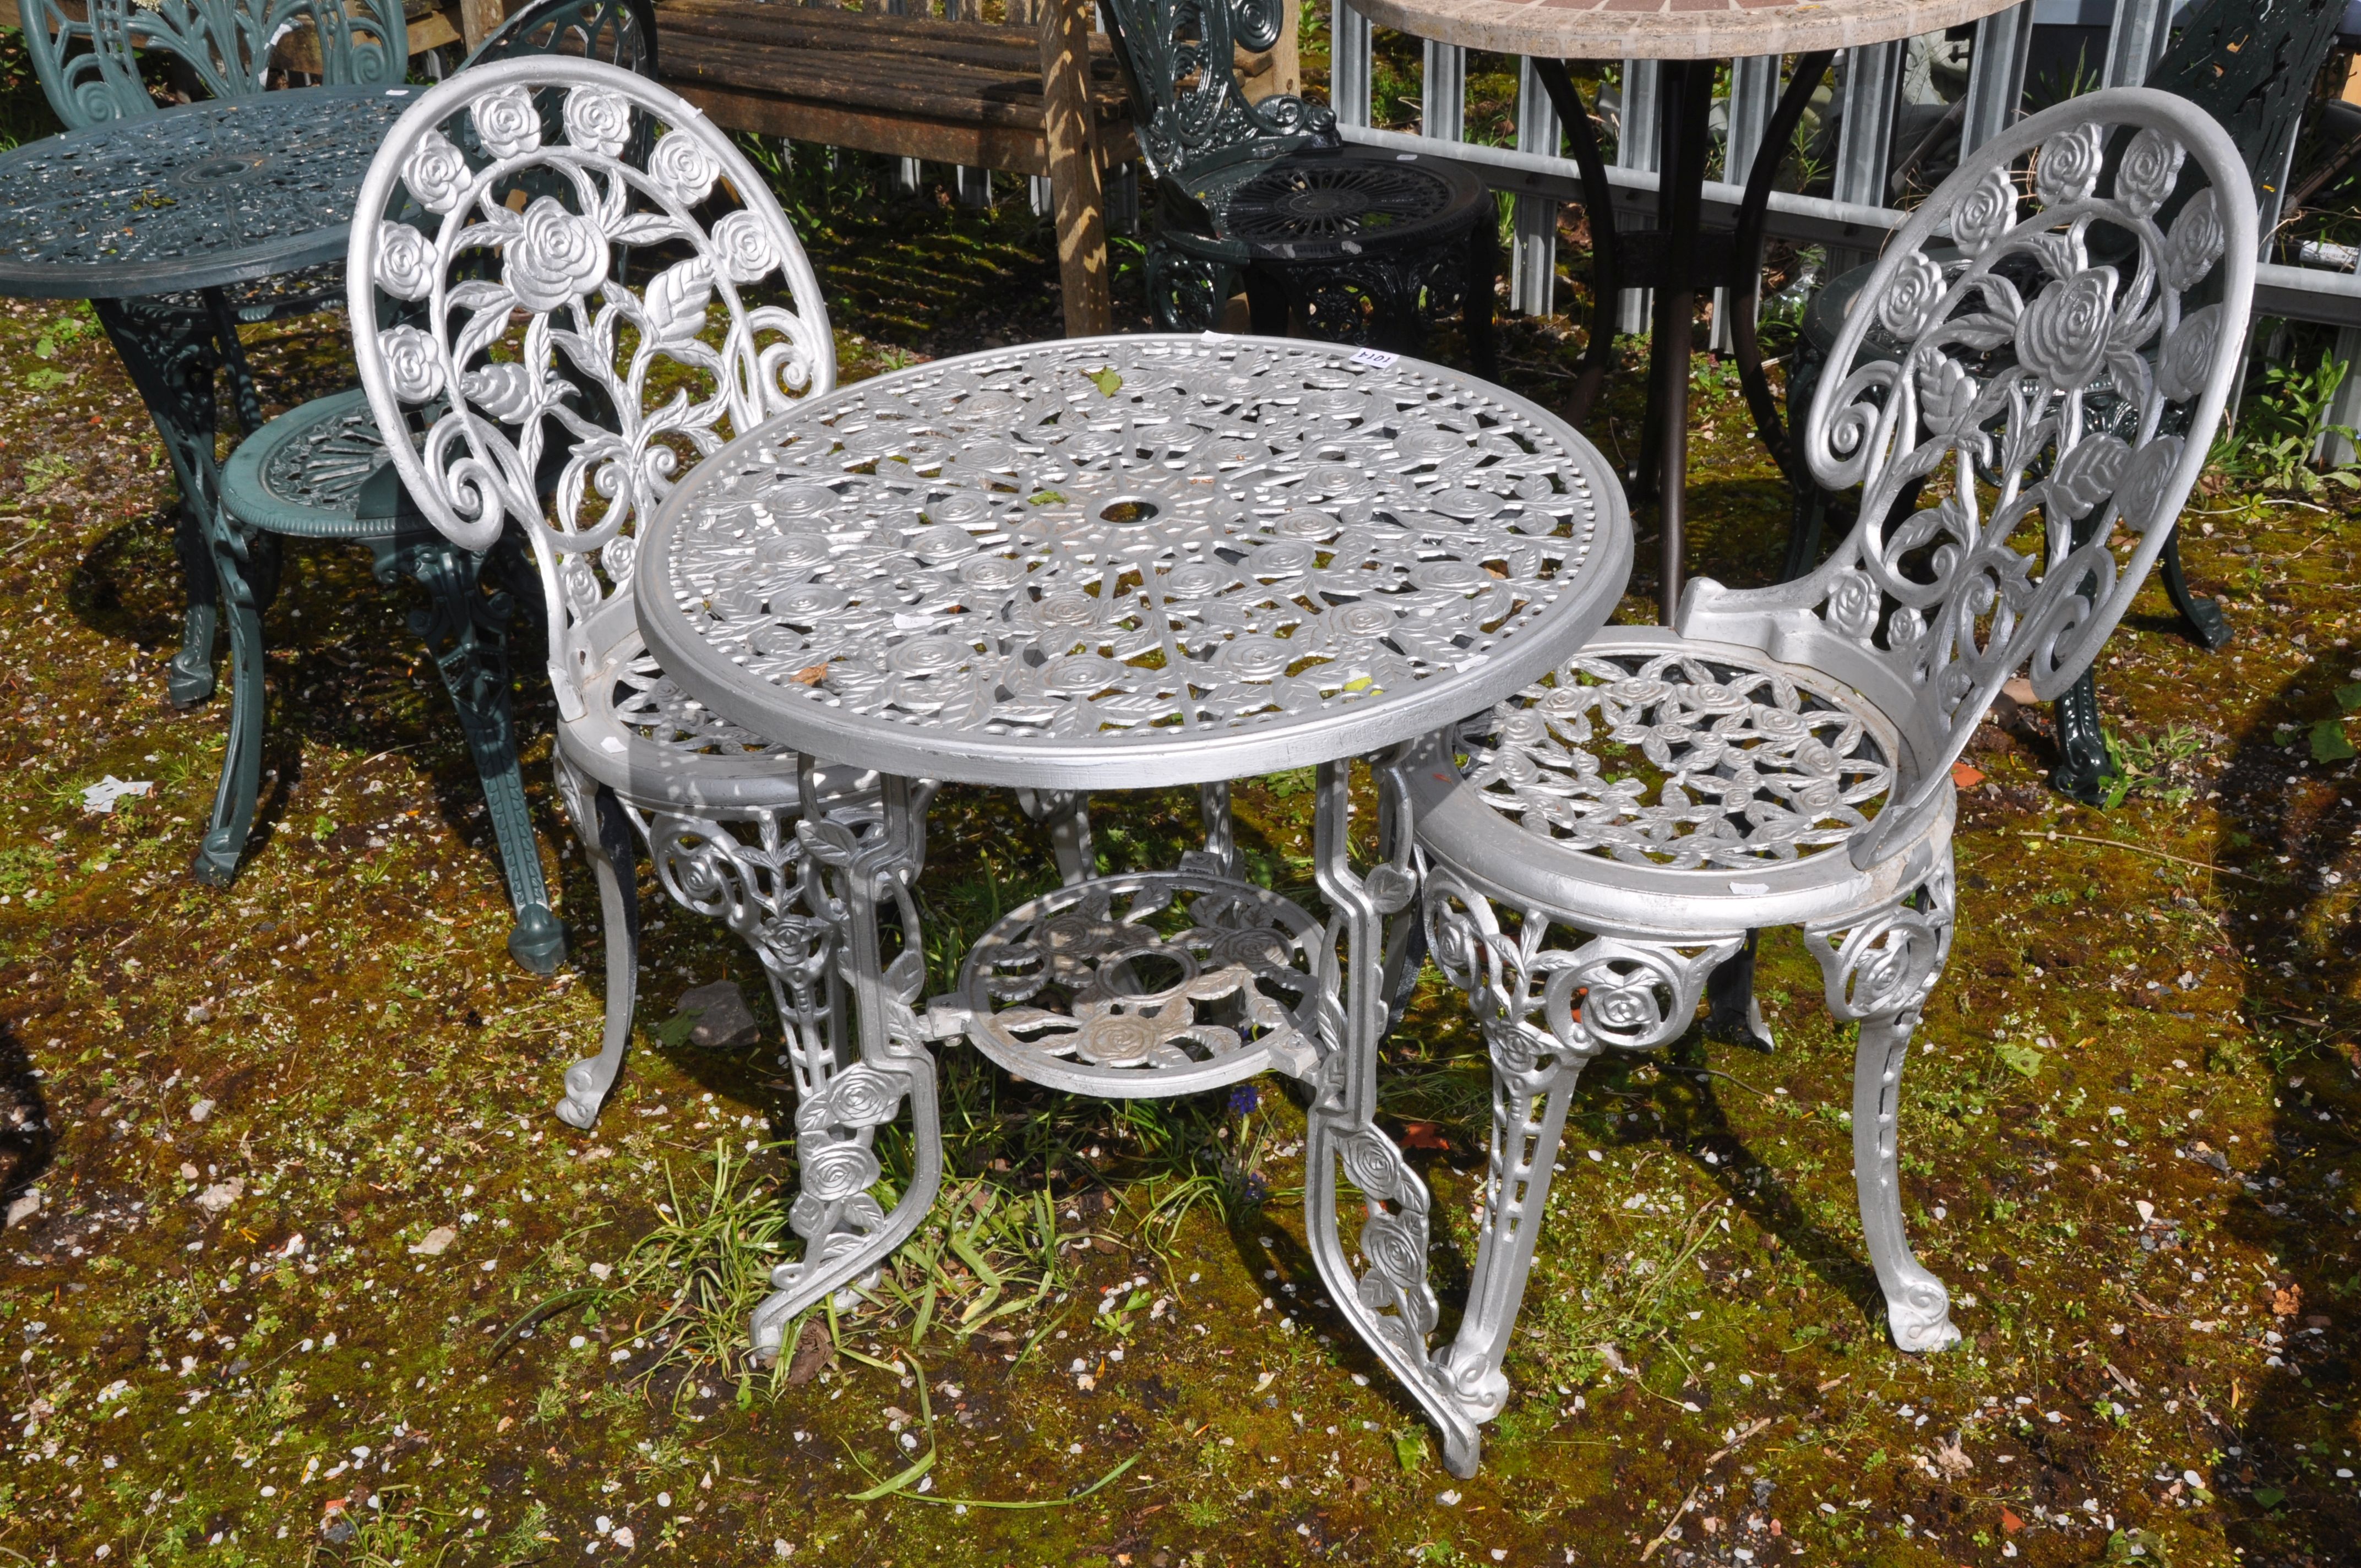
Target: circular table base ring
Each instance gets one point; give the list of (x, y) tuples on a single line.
[(1146, 984)]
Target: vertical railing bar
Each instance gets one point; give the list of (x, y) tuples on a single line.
[(2136, 41), (1349, 47), (1532, 256), (1996, 75), (1872, 79), (1635, 147), (1442, 93), (1754, 95)]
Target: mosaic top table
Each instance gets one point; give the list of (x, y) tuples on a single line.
[(1679, 255), (150, 219), (1125, 563)]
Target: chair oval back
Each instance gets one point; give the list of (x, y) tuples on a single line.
[(2023, 459), (2251, 65), (615, 32), (518, 377), (1178, 57), (226, 43)]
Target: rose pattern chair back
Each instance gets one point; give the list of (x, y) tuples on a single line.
[(226, 43), (1178, 58), (494, 329), (2005, 518)]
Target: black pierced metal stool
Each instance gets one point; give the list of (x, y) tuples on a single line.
[(1346, 244)]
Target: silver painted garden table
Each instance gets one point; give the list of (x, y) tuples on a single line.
[(1125, 563), (149, 219)]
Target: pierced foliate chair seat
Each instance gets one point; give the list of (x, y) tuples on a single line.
[(544, 390), (1602, 850), (320, 472), (626, 726)]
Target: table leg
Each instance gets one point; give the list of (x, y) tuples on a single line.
[(1746, 272), (860, 861), (1598, 206), (1686, 90), (1391, 1306), (170, 355)]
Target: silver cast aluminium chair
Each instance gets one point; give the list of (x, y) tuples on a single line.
[(536, 384), (1600, 851)]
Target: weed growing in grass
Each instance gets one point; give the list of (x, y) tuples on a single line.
[(2157, 764)]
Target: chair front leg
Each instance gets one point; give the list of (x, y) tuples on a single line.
[(224, 844), (1879, 969), (1544, 1013), (1186, 293), (2202, 618), (465, 631)]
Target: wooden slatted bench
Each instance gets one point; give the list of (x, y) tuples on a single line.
[(982, 94)]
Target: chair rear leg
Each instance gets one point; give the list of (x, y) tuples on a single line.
[(605, 835), (2201, 617)]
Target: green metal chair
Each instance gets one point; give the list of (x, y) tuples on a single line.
[(89, 68), (319, 472)]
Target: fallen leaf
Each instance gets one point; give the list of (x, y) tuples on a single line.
[(1423, 1135), (811, 1353), (1964, 776), (1108, 381), (2009, 1523), (1953, 1459), (2285, 1303), (810, 674), (432, 1243), (201, 1109)]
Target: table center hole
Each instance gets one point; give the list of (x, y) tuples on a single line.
[(1129, 512), (1145, 974)]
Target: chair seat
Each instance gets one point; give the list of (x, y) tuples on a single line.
[(1320, 205), (659, 748), (308, 473), (1661, 783)]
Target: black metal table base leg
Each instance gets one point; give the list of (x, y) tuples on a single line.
[(466, 631), (224, 846), (1475, 307), (2083, 766), (170, 355), (1732, 1012), (2202, 618)]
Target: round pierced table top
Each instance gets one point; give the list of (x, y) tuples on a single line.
[(1129, 562), (1670, 29), (222, 192)]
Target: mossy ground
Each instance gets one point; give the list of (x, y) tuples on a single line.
[(2126, 1132)]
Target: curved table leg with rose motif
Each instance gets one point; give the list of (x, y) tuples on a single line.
[(1390, 1302), (860, 858)]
